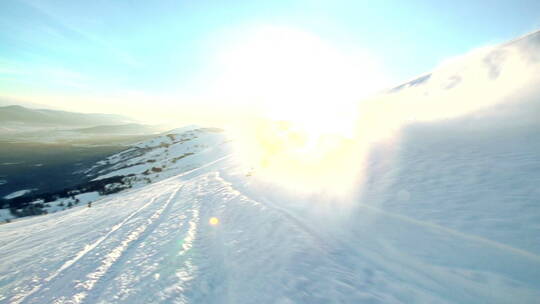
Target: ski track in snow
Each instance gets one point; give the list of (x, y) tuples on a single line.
[(40, 290), (164, 251), (214, 274), (89, 247), (112, 257), (469, 237)]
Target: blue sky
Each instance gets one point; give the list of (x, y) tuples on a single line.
[(102, 56)]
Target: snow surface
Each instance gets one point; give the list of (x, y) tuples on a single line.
[(176, 152), (155, 245), (18, 193), (5, 215), (449, 212)]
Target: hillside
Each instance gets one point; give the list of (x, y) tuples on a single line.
[(446, 210), (145, 162)]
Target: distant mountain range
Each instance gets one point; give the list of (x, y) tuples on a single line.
[(6, 101), (16, 114), (129, 128), (22, 124)]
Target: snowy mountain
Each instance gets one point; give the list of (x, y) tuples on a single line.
[(163, 156), (447, 211)]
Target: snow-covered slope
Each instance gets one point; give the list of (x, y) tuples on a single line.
[(155, 245), (448, 212), (177, 151), (165, 156)]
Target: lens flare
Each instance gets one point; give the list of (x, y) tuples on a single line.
[(214, 221)]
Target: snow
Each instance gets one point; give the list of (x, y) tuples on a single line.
[(136, 169), (155, 245), (88, 197), (5, 215), (65, 203), (18, 193), (448, 212), (176, 152)]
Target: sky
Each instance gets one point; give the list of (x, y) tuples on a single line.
[(214, 61)]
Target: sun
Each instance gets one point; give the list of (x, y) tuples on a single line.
[(306, 91), (293, 75)]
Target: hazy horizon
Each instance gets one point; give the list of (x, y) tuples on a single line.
[(213, 63)]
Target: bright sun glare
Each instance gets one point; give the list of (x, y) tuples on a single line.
[(298, 77), (314, 126), (306, 92)]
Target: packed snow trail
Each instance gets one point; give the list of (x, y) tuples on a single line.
[(80, 254), (160, 248), (167, 243)]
